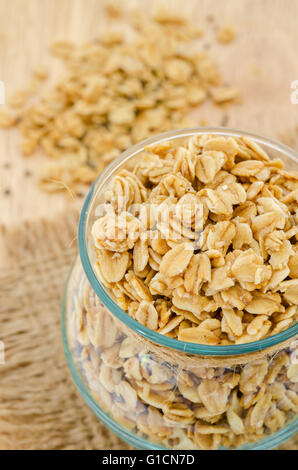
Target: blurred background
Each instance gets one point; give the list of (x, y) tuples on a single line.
[(259, 58)]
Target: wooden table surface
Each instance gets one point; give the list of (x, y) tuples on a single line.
[(262, 63)]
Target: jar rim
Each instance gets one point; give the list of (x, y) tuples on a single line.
[(162, 340)]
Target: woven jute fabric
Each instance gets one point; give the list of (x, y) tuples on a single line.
[(39, 405)]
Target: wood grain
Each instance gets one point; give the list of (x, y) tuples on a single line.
[(262, 63)]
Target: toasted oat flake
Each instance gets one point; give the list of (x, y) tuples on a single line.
[(6, 118), (226, 34), (175, 261), (18, 99), (223, 95)]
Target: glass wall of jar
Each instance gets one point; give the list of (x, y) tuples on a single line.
[(158, 392)]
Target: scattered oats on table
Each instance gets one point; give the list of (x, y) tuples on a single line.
[(116, 91), (211, 255)]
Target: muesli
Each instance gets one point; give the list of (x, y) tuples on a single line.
[(190, 407), (199, 241)]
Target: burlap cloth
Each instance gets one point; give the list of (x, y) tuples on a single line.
[(39, 405)]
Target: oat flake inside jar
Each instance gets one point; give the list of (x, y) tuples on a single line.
[(180, 316)]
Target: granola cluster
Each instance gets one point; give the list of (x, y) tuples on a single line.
[(198, 241), (193, 408), (126, 85)]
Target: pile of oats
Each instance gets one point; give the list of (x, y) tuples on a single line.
[(199, 241), (116, 91), (198, 407)]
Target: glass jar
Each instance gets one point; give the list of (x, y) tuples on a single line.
[(156, 392)]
